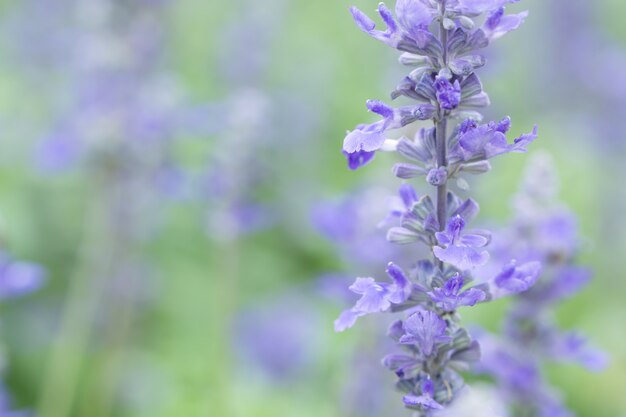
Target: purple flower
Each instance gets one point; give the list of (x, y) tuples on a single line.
[(414, 16), (278, 335), (564, 283), (498, 25), (424, 401), (515, 278), (408, 196), (370, 138), (489, 140), (375, 296), (391, 36), (448, 94), (556, 233), (58, 152), (459, 249), (19, 278), (449, 297), (437, 176), (401, 364), (513, 371), (401, 207), (6, 405), (425, 329), (574, 347)]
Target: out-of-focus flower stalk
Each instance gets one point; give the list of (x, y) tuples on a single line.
[(542, 230), (123, 128), (84, 295)]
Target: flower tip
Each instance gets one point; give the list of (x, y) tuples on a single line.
[(345, 321), (362, 20)]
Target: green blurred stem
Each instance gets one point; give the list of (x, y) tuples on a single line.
[(224, 303), (82, 300), (441, 125), (100, 399), (442, 190)]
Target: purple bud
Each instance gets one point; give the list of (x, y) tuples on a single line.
[(437, 176), (448, 94)]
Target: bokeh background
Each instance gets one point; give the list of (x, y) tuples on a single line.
[(175, 168)]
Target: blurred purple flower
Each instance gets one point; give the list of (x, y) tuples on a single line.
[(19, 278), (515, 278), (450, 297), (279, 337)]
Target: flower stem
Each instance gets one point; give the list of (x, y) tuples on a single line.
[(442, 161), (63, 371), (441, 124)]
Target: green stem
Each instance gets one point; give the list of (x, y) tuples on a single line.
[(83, 297)]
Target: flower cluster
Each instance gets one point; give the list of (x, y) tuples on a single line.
[(252, 120), (118, 107), (542, 231), (440, 40)]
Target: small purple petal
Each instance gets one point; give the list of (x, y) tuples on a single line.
[(346, 320), (358, 159), (408, 195), (380, 108), (461, 257), (375, 299), (361, 285), (515, 279), (423, 401), (413, 15), (476, 241), (368, 138), (362, 20), (497, 25)]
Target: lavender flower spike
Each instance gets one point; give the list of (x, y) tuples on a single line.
[(544, 236), (440, 41)]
